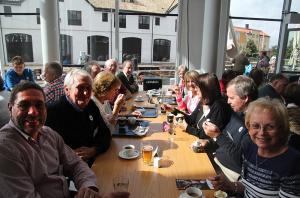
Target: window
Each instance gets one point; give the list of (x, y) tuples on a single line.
[(157, 21), (175, 25), (98, 47), (104, 17), (74, 17), (7, 9), (122, 21), (161, 50), (65, 43), (61, 0), (19, 45), (144, 22), (38, 19)]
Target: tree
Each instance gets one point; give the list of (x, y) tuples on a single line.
[(251, 49)]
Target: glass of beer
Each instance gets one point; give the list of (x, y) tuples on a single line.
[(147, 152)]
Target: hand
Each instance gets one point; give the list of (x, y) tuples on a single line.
[(120, 100), (137, 113), (211, 129), (176, 89), (85, 153), (204, 142), (116, 195), (221, 182), (87, 192), (167, 107)]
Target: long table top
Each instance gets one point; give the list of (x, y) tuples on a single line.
[(180, 162)]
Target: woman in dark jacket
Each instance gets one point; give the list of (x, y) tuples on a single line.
[(211, 107)]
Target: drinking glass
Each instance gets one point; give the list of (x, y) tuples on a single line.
[(147, 152), (121, 183)]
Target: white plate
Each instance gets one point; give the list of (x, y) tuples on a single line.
[(140, 130), (123, 156), (183, 196)]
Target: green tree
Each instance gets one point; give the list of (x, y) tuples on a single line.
[(251, 49)]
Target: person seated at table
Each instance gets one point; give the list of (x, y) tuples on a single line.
[(292, 97), (106, 87), (275, 87), (227, 76), (241, 91), (53, 75), (211, 106), (77, 118), (17, 74), (111, 65), (126, 77), (93, 68), (270, 167), (181, 86), (191, 99)]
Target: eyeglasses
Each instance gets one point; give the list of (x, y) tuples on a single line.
[(259, 127)]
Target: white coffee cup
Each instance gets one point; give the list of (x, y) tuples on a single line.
[(192, 192), (129, 150)]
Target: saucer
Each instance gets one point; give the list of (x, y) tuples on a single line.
[(123, 156), (139, 100), (183, 195)]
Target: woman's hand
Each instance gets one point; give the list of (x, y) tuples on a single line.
[(120, 100), (211, 129)]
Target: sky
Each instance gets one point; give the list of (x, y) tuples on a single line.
[(261, 9)]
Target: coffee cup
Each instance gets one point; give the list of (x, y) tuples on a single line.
[(132, 120), (129, 150), (122, 121), (192, 192), (179, 118), (220, 194)]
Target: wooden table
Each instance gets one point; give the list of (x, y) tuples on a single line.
[(149, 182)]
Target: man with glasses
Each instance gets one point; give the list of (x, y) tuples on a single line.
[(77, 118)]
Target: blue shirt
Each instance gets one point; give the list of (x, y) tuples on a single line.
[(12, 78)]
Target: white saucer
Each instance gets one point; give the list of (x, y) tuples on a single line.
[(123, 156), (138, 100), (182, 195)]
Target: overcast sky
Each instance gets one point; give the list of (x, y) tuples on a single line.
[(261, 9)]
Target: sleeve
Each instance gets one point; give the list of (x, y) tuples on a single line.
[(10, 81), (14, 178), (234, 150), (74, 167), (219, 114)]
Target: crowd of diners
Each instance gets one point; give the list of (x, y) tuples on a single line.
[(54, 133)]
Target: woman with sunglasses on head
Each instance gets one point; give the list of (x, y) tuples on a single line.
[(270, 167)]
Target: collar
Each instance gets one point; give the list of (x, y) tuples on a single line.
[(59, 79), (73, 105), (22, 133)]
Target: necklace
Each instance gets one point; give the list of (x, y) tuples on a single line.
[(257, 163)]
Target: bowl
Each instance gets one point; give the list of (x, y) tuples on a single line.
[(122, 121)]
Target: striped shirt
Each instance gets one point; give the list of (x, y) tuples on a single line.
[(271, 177)]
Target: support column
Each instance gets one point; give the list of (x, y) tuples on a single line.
[(117, 53), (50, 30), (210, 36)]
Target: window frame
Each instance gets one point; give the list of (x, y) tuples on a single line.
[(7, 11), (144, 22), (77, 20)]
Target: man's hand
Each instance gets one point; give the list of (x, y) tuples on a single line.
[(221, 182), (86, 192), (211, 129), (85, 153)]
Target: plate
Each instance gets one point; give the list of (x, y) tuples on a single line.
[(183, 195), (140, 130), (123, 156)]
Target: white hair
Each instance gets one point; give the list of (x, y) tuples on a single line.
[(70, 77), (109, 62)]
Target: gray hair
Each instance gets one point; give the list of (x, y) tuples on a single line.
[(182, 67), (55, 68), (109, 62), (88, 66), (244, 86), (70, 77)]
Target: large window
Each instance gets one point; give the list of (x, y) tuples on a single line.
[(18, 44), (131, 49), (144, 22), (74, 17), (104, 17), (161, 50), (98, 47), (66, 47)]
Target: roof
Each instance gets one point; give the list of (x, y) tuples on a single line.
[(248, 30), (148, 6)]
